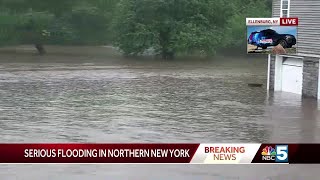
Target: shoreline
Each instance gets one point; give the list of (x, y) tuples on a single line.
[(109, 54)]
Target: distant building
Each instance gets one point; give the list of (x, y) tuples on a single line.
[(298, 73)]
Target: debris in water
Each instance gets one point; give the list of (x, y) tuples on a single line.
[(254, 85)]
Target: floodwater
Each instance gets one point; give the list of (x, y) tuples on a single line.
[(111, 99)]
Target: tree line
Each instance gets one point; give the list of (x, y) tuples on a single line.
[(163, 27)]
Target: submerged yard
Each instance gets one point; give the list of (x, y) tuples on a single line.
[(92, 95)]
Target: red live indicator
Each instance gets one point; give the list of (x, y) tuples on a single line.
[(288, 21)]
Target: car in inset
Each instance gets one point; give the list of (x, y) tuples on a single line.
[(270, 37)]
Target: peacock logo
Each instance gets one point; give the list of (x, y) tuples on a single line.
[(268, 151)]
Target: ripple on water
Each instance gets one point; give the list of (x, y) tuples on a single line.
[(87, 103)]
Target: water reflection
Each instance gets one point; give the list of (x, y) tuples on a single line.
[(309, 126), (294, 119)]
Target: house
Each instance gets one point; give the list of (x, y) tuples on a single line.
[(298, 73)]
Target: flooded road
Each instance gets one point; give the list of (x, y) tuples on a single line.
[(153, 101)]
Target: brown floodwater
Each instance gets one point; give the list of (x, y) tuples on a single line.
[(79, 96)]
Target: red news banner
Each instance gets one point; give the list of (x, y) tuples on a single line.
[(160, 153), (292, 21)]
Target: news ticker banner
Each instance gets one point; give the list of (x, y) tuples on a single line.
[(160, 153), (272, 35)]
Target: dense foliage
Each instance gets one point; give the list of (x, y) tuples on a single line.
[(235, 33), (170, 26), (166, 27), (78, 22)]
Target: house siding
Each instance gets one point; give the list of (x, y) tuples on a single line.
[(310, 77), (276, 8), (308, 12)]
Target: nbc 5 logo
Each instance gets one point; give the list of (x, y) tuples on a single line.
[(282, 153)]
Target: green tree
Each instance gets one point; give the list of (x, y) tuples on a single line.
[(235, 33), (55, 22), (170, 26)]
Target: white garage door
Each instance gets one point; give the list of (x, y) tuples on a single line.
[(292, 75)]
